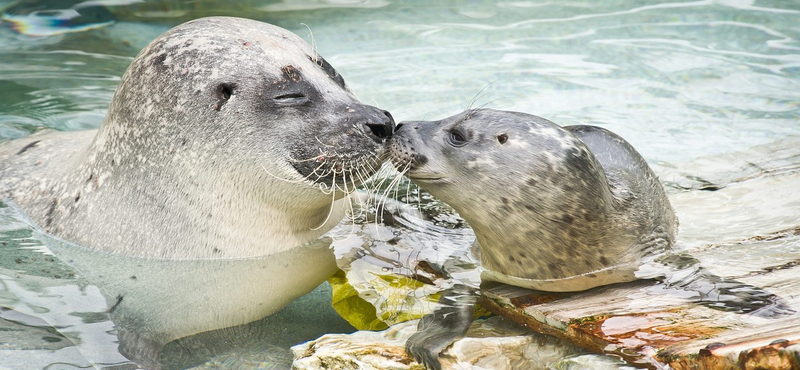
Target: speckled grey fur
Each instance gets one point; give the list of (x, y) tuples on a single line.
[(555, 209), (558, 209), (223, 140)]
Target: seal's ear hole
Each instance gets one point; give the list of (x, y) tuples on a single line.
[(226, 90), (502, 138)]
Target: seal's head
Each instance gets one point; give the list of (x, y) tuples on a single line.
[(250, 96), (493, 165), (540, 202)]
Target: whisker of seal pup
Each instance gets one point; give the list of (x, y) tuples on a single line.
[(478, 96), (470, 112)]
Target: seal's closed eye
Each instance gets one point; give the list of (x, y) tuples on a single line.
[(293, 98)]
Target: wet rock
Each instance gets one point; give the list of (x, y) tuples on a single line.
[(495, 343)]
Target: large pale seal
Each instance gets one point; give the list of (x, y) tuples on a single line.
[(226, 138), (553, 208)]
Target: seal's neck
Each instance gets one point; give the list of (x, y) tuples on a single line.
[(196, 205)]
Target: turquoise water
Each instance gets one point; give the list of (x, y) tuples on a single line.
[(683, 81)]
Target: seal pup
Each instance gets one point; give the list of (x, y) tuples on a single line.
[(559, 209), (227, 138)]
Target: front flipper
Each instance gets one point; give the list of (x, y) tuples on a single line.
[(448, 323)]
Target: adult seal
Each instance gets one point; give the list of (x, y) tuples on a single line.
[(558, 209), (227, 138)]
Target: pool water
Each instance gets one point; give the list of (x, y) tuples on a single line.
[(691, 84)]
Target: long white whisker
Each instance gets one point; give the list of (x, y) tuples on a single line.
[(291, 181), (315, 58), (478, 96), (333, 202)]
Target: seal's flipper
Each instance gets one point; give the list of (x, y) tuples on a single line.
[(445, 325)]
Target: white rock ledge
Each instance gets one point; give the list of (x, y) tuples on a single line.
[(495, 343)]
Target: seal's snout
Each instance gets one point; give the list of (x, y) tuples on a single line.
[(380, 125), (401, 147)]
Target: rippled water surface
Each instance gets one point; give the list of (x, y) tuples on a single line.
[(707, 91)]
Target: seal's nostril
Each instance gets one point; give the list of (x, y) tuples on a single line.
[(397, 128), (380, 130), (379, 124)]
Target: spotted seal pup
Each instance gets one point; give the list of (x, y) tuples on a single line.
[(558, 209), (227, 138)]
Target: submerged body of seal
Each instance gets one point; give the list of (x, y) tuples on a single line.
[(226, 138), (558, 209)]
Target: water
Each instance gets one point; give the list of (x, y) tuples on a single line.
[(707, 91)]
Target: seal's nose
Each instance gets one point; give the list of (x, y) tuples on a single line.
[(382, 127)]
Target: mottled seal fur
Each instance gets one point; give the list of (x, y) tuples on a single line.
[(558, 209), (223, 140), (554, 209), (226, 138)]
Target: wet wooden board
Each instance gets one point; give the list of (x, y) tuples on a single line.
[(654, 332), (650, 326)]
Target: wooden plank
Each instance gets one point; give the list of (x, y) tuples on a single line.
[(648, 327)]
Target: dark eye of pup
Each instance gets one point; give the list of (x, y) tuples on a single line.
[(502, 138), (457, 138)]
